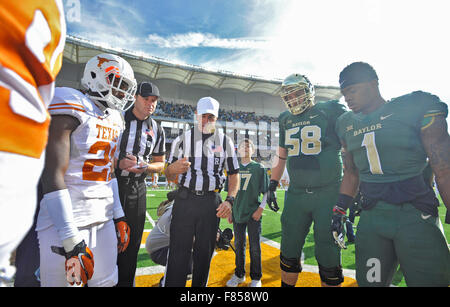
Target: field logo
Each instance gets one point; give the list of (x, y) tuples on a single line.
[(374, 273)]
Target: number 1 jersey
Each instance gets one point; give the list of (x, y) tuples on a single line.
[(386, 144)]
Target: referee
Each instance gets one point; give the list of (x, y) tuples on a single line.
[(141, 152), (198, 157)]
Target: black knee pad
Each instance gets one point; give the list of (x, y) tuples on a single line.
[(331, 276), (290, 265)]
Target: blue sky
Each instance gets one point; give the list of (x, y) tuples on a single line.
[(406, 41), (191, 32)]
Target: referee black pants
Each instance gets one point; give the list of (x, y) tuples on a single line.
[(193, 230), (133, 197)]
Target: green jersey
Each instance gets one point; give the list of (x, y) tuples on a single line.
[(386, 144), (254, 181), (313, 147)]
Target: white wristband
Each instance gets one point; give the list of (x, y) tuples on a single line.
[(264, 201), (59, 208), (117, 209)]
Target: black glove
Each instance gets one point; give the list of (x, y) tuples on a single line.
[(447, 217), (337, 226), (357, 204), (272, 195)]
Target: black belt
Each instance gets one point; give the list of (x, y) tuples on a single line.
[(128, 180), (200, 193)]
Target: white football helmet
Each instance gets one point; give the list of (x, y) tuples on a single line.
[(297, 93), (110, 79)]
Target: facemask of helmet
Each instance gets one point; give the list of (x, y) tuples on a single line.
[(110, 80), (297, 93)]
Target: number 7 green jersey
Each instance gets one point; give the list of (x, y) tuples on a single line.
[(313, 147), (254, 182), (386, 144)]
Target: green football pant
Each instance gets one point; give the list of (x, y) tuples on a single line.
[(301, 209), (388, 235)]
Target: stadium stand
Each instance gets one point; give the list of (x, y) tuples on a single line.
[(250, 105)]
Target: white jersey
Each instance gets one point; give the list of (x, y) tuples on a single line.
[(92, 147)]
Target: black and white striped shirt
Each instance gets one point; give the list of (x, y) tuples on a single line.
[(209, 155), (141, 138)]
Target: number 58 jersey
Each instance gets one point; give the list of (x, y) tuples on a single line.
[(313, 148), (92, 147)]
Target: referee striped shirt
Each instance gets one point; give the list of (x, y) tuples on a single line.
[(209, 155), (141, 138)]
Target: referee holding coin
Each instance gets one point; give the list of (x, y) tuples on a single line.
[(198, 157), (141, 152)]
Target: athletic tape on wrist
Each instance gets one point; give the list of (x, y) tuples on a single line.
[(59, 207)]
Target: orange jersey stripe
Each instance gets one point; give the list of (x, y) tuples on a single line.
[(24, 136), (66, 104), (67, 108), (33, 58), (31, 50)]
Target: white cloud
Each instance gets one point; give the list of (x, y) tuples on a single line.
[(196, 39), (123, 8), (405, 41)]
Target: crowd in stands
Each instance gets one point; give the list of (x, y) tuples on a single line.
[(184, 111), (169, 109)]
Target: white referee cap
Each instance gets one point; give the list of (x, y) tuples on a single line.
[(208, 105)]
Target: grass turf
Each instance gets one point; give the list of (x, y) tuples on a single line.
[(271, 229)]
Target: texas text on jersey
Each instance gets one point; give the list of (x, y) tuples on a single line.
[(92, 151)]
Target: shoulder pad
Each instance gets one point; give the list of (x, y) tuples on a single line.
[(334, 101), (423, 103), (333, 104), (283, 115), (68, 101), (416, 97), (341, 122)]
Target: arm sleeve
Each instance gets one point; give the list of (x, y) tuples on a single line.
[(263, 201), (432, 106), (59, 207)]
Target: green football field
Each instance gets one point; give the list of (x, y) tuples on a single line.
[(271, 229)]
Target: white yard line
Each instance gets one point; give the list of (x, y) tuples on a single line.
[(160, 269), (150, 270), (149, 218)]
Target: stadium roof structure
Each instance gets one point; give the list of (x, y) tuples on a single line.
[(79, 51)]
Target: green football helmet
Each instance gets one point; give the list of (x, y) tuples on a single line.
[(297, 93)]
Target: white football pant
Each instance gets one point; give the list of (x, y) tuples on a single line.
[(102, 241), (19, 176)]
